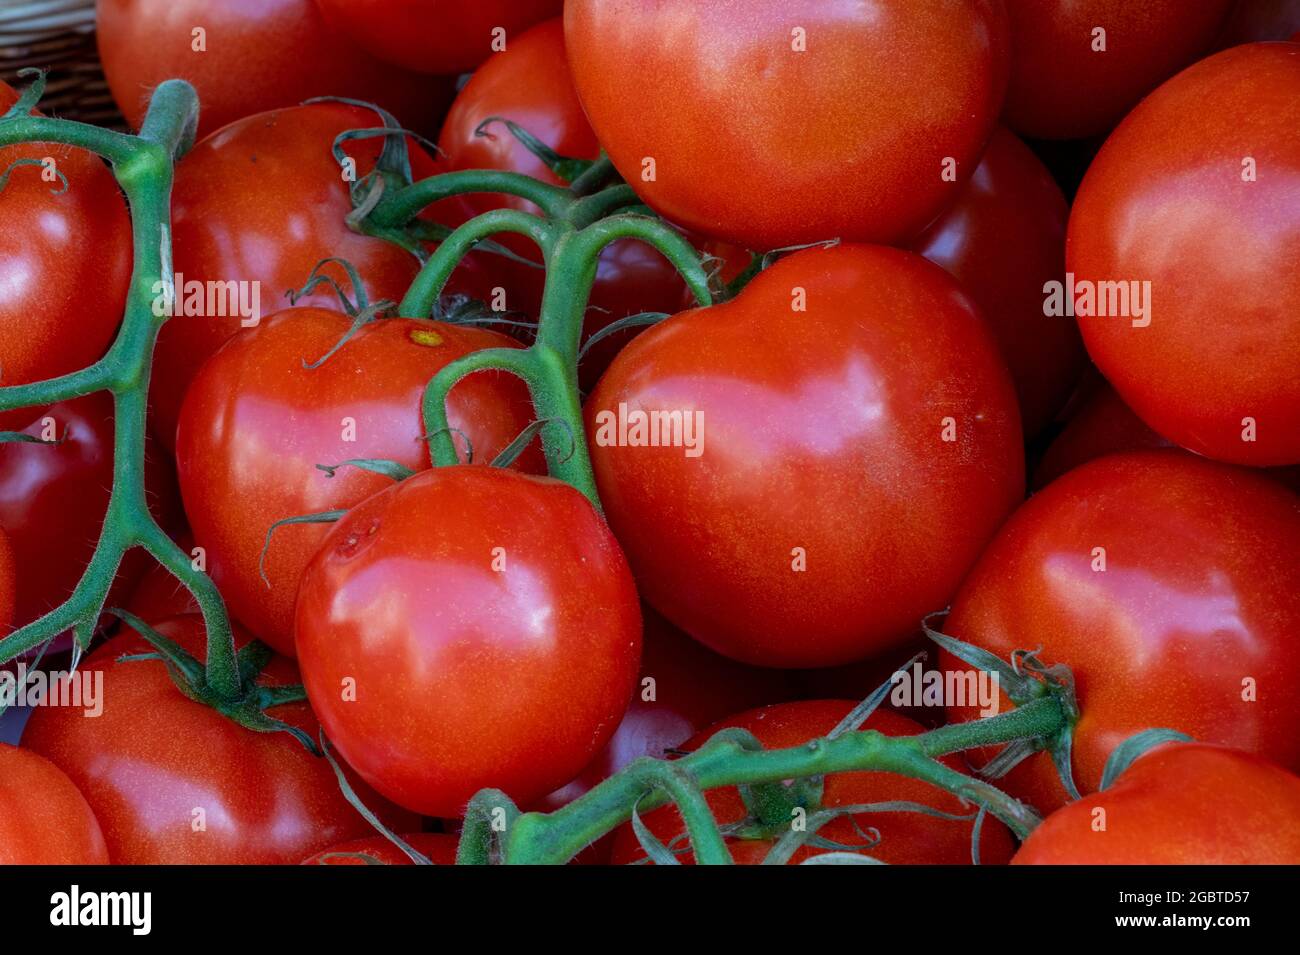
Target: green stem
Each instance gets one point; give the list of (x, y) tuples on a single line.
[(405, 204)]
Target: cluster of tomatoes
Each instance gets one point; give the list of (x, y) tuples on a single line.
[(864, 406)]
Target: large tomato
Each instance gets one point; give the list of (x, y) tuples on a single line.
[(905, 837), (439, 848), (776, 122), (469, 627), (44, 819), (257, 423), (435, 36), (175, 782), (1198, 194), (252, 55), (65, 259), (1183, 804), (1003, 240), (1068, 80), (261, 202), (1170, 585), (856, 441)]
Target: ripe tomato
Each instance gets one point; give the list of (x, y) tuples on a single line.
[(823, 398), (777, 122), (1190, 625), (261, 202), (1182, 804), (44, 819), (1003, 240), (257, 422), (439, 848), (1171, 200), (65, 259), (175, 782), (6, 584), (469, 627), (254, 55), (905, 838), (434, 36), (1065, 84)]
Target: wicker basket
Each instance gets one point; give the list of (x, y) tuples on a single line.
[(58, 36)]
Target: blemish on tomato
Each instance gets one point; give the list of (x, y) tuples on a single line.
[(425, 336)]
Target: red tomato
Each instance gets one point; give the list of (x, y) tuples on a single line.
[(160, 595), (1182, 804), (826, 391), (175, 782), (65, 260), (1003, 240), (1069, 81), (435, 36), (254, 55), (6, 584), (262, 202), (905, 838), (44, 819), (256, 424), (469, 627), (439, 848), (1165, 203), (1190, 626), (1102, 425), (776, 122), (53, 498)]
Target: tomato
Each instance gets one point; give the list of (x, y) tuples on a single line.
[(257, 422), (1252, 20), (6, 584), (160, 595), (65, 260), (826, 390), (1065, 84), (435, 36), (255, 55), (905, 838), (1182, 804), (53, 498), (777, 122), (439, 848), (1003, 240), (1190, 625), (44, 819), (1169, 201), (175, 782), (469, 627), (261, 202)]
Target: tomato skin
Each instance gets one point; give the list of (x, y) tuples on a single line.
[(65, 261), (1061, 88), (256, 423), (906, 838), (885, 91), (1253, 20), (439, 848), (44, 819), (1201, 590), (434, 36), (260, 54), (466, 676), (1181, 804), (788, 453), (6, 584), (1002, 240), (1164, 202), (153, 756)]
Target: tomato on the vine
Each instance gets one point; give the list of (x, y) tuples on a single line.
[(245, 56), (469, 627), (435, 36), (1182, 804), (853, 442), (439, 848), (44, 819), (173, 781), (1169, 585), (778, 122), (65, 260), (905, 838), (257, 422), (1191, 210)]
